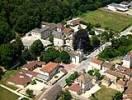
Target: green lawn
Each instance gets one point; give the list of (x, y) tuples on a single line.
[(104, 94), (6, 76), (111, 20), (7, 95)]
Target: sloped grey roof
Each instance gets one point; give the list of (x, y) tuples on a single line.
[(52, 93), (57, 34)]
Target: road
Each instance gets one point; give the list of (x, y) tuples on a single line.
[(84, 64), (127, 31)]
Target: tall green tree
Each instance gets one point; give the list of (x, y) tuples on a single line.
[(50, 55), (36, 48), (6, 34), (65, 57)]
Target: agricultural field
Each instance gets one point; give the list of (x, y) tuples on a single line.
[(107, 19)]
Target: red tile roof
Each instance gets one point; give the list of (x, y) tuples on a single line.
[(33, 64), (75, 87), (23, 77), (50, 67), (115, 73), (67, 30)]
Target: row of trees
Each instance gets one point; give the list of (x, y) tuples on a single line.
[(52, 54), (119, 47), (82, 40), (71, 78), (23, 15)]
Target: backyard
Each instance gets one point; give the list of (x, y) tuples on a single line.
[(7, 95), (104, 94), (111, 20)]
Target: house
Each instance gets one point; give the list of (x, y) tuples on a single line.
[(32, 36), (114, 80), (85, 81), (120, 85), (126, 71), (49, 70), (78, 27), (22, 78), (74, 22), (112, 7), (127, 95), (60, 27), (76, 56), (114, 75), (58, 38), (32, 65), (107, 66), (75, 88), (117, 7), (125, 4), (127, 60), (68, 31), (51, 93), (96, 63)]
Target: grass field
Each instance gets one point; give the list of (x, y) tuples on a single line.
[(111, 20), (6, 76), (7, 95), (104, 94)]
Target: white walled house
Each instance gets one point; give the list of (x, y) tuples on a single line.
[(49, 70), (117, 7), (76, 56), (96, 63), (58, 39), (127, 60)]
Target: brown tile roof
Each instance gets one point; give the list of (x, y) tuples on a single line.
[(75, 87), (67, 30), (50, 67), (115, 73), (33, 64), (107, 65), (121, 82), (22, 77), (124, 70)]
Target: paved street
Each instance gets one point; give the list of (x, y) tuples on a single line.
[(127, 31), (83, 65)]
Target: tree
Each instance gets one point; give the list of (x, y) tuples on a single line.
[(26, 54), (81, 41), (6, 34), (71, 78), (66, 95), (18, 45), (95, 42), (118, 96), (51, 38), (7, 55), (64, 57), (36, 48), (50, 54), (30, 93), (1, 73)]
